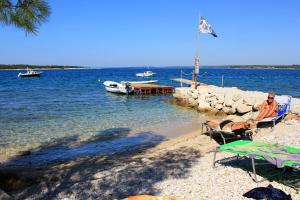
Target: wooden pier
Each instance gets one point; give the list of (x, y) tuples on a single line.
[(186, 81), (143, 89)]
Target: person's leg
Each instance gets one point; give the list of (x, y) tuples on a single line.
[(212, 123)]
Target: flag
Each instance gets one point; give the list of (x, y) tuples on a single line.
[(205, 27)]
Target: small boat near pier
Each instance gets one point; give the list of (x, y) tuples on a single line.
[(119, 88)]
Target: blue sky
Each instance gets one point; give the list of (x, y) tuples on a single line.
[(107, 33)]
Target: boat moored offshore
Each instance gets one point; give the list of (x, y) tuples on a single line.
[(145, 74), (30, 73)]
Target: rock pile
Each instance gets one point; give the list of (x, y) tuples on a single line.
[(230, 101)]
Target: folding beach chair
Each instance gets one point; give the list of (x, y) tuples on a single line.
[(280, 156), (284, 104), (227, 135)]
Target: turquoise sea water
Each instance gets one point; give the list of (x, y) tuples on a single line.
[(71, 108)]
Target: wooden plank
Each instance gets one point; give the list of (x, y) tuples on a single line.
[(150, 86), (186, 81), (149, 89)]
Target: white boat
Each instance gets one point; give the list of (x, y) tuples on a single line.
[(140, 82), (145, 74), (115, 87), (29, 73)]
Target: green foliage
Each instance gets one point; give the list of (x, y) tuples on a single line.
[(25, 14), (262, 66), (22, 66)]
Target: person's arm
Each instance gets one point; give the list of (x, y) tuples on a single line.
[(263, 112), (261, 106)]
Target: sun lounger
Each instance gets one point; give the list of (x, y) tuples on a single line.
[(227, 135), (280, 156), (284, 104)]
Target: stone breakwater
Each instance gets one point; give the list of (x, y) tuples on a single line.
[(225, 101)]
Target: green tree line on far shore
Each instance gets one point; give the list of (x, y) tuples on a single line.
[(21, 66), (262, 66)]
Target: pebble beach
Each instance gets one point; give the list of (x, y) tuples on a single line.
[(180, 167)]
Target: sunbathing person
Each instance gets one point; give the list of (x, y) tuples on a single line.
[(268, 108), (228, 125)]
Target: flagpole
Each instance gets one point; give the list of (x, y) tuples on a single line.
[(196, 67)]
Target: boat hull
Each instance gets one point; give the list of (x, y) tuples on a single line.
[(140, 82), (145, 74), (29, 75), (118, 88)]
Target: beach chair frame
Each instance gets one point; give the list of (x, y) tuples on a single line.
[(253, 157), (284, 104), (212, 130), (253, 164)]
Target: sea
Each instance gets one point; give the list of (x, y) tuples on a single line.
[(65, 114)]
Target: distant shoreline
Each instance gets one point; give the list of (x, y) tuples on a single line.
[(18, 69), (58, 67), (38, 67)]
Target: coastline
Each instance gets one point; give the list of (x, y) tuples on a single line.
[(47, 69), (178, 167)]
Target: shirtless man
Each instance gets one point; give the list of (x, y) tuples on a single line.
[(268, 108)]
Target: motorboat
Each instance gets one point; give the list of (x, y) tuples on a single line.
[(140, 82), (120, 88), (145, 74), (30, 73)]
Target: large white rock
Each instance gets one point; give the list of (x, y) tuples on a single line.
[(204, 106), (220, 98), (236, 97), (295, 106), (250, 115), (228, 100), (229, 110), (195, 95), (218, 106), (211, 99), (249, 101), (193, 102), (242, 108), (235, 118), (196, 92)]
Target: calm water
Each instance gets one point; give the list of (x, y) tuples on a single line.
[(70, 108)]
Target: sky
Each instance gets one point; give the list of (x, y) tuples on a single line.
[(117, 33)]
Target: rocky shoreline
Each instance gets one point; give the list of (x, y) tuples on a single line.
[(225, 101)]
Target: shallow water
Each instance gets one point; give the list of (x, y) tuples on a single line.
[(66, 104)]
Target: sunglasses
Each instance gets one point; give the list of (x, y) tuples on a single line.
[(270, 97)]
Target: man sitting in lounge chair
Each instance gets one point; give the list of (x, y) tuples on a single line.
[(268, 108), (230, 126)]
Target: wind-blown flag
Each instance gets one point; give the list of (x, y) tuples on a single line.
[(205, 27)]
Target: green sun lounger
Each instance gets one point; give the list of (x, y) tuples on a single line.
[(280, 156)]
